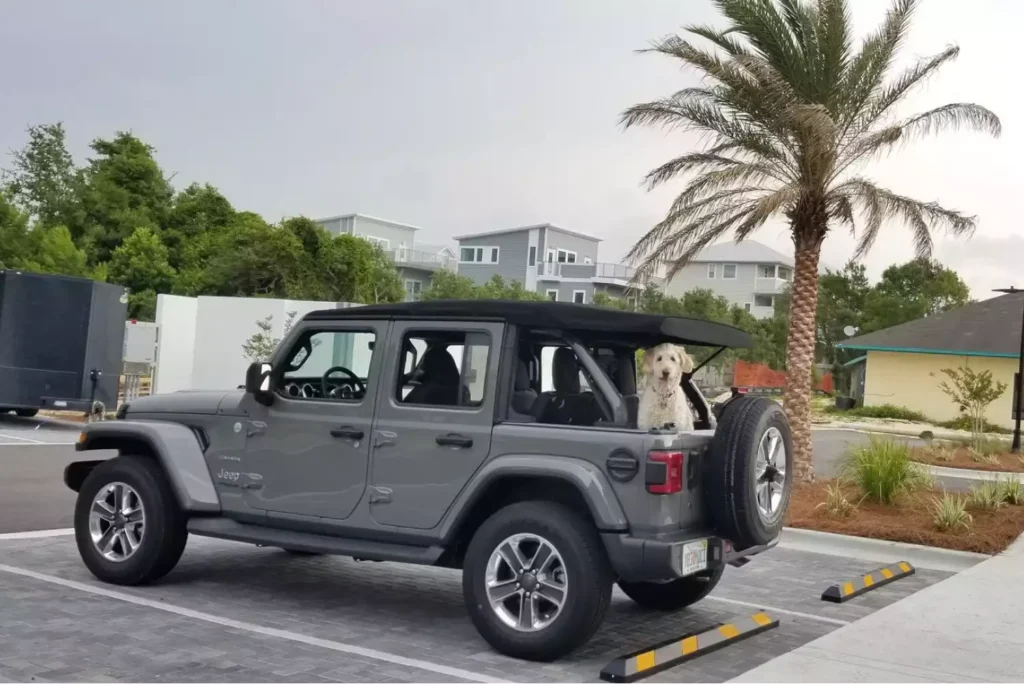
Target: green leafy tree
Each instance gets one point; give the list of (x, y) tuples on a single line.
[(921, 287), (445, 284), (262, 344), (42, 177), (53, 251), (972, 392), (841, 299), (497, 288), (123, 189), (197, 213), (384, 285), (14, 233), (790, 111), (140, 264), (253, 258)]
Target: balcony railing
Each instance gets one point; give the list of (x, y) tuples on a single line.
[(770, 285), (422, 259)]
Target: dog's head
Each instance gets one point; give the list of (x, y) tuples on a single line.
[(664, 366)]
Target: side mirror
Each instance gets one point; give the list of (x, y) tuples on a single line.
[(257, 382)]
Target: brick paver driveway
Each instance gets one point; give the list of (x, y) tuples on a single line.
[(232, 612)]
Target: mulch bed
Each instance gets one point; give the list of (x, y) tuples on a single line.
[(908, 520), (962, 458)]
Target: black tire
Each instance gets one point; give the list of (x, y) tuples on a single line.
[(26, 413), (589, 580), (730, 472), (674, 595), (164, 532), (297, 552)]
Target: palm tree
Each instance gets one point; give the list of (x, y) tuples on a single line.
[(789, 111)]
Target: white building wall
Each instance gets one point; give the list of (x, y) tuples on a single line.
[(176, 318)]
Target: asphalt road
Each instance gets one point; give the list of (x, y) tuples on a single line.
[(32, 460)]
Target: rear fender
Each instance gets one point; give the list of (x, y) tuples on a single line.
[(175, 446)]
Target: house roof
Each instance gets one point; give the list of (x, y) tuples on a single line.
[(506, 231), (644, 328), (368, 217), (987, 328), (745, 251)]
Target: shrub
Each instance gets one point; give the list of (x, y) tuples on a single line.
[(1011, 491), (950, 513), (965, 423), (836, 504), (987, 496), (943, 452), (972, 392), (883, 470), (887, 411)]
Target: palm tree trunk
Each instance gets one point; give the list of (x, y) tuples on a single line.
[(803, 313)]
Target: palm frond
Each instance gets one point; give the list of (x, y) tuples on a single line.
[(887, 96)]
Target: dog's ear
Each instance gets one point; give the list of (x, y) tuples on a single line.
[(685, 360)]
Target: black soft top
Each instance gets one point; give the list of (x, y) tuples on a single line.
[(593, 321)]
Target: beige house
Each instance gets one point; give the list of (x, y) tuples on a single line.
[(903, 364)]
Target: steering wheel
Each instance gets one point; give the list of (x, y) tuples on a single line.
[(360, 385)]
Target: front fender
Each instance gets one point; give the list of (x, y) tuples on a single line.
[(585, 476), (175, 446)]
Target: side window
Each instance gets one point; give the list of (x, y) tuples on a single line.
[(443, 368), (329, 366)]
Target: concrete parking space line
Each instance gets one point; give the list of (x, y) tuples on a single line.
[(337, 646), (4, 435), (36, 534), (780, 611)]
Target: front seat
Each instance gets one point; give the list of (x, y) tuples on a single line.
[(557, 406), (439, 380), (523, 396)]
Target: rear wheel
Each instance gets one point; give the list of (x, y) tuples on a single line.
[(749, 473), (536, 580), (128, 525), (675, 594)]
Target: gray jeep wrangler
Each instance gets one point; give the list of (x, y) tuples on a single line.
[(494, 437)]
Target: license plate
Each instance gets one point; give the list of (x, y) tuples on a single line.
[(695, 556)]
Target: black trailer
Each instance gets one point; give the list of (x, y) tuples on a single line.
[(61, 342)]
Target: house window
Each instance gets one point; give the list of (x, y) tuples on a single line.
[(383, 243), (747, 306), (766, 271), (550, 256), (579, 296), (478, 255), (785, 273), (587, 260), (729, 271), (533, 255), (566, 257), (711, 271), (764, 300), (552, 295), (413, 289)]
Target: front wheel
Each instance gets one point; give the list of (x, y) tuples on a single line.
[(26, 413), (675, 594), (536, 580), (128, 526)]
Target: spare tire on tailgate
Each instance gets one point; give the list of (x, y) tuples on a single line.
[(748, 472)]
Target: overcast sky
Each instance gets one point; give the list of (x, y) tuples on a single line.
[(470, 115)]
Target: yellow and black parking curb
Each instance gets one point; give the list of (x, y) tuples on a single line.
[(839, 593), (668, 654)]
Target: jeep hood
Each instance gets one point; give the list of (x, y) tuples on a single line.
[(207, 402)]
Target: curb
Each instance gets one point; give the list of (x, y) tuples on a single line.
[(907, 431), (863, 548), (974, 475)]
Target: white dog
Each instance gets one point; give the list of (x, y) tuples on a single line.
[(662, 400)]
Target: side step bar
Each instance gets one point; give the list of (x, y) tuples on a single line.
[(225, 528)]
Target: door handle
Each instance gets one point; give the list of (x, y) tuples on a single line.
[(454, 440), (347, 432)]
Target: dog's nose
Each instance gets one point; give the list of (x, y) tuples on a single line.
[(665, 373)]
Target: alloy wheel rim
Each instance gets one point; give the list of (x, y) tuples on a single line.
[(770, 471), (526, 582), (117, 521)]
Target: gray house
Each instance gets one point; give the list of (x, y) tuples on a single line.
[(416, 262), (747, 273), (559, 263)]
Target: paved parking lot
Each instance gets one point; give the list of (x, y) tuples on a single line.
[(15, 431), (233, 612)]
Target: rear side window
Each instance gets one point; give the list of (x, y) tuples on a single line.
[(443, 368)]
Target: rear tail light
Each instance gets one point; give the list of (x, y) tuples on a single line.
[(664, 472)]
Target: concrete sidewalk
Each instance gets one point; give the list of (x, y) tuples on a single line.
[(968, 628)]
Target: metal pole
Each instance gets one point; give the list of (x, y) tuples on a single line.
[(1015, 447)]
